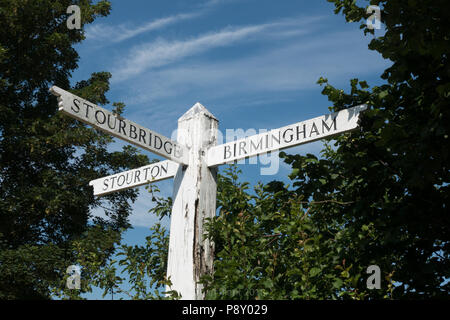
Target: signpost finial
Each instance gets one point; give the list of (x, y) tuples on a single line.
[(196, 109)]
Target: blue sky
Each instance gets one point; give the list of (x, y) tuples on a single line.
[(252, 63)]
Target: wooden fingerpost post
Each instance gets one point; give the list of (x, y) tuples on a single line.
[(194, 199)]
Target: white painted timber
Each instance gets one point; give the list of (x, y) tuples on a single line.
[(285, 137), (119, 127), (134, 178), (194, 199)]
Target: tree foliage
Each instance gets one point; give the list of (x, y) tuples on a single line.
[(270, 246), (138, 272), (394, 172), (47, 160)]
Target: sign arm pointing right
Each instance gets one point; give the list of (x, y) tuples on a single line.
[(286, 137)]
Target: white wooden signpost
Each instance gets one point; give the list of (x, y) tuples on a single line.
[(193, 160)]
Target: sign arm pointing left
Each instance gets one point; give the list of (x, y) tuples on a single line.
[(134, 178), (119, 127)]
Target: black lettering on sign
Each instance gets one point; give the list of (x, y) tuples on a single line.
[(109, 122), (165, 147), (226, 152), (129, 175), (133, 134), (154, 172), (314, 129), (112, 178), (150, 139), (256, 147), (277, 139), (142, 135), (118, 180), (103, 115), (75, 102), (303, 131), (122, 125), (165, 169), (146, 173), (87, 109), (160, 143), (242, 148), (324, 125), (105, 184), (291, 136), (137, 173)]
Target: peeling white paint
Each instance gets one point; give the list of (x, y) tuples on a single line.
[(194, 199)]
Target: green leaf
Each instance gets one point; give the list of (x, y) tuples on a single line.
[(314, 272)]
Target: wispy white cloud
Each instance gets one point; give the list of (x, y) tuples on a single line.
[(106, 33), (212, 3), (162, 52), (114, 34), (292, 67)]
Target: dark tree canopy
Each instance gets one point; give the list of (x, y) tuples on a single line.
[(395, 170), (47, 160)]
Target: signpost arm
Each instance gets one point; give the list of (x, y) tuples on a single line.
[(194, 199), (105, 120)]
